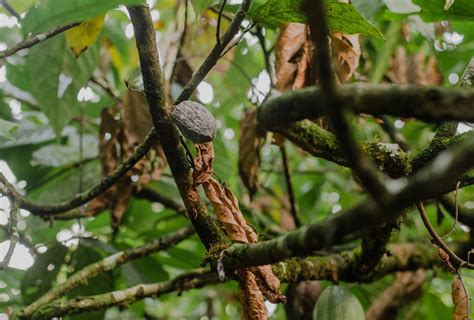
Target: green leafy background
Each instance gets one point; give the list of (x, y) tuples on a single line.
[(39, 142)]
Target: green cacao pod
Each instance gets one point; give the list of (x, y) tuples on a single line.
[(338, 303)]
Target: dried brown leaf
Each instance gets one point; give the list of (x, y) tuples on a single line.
[(414, 69), (137, 118), (268, 284), (249, 144), (225, 211), (345, 53), (293, 56), (251, 298), (203, 163), (460, 300), (254, 282)]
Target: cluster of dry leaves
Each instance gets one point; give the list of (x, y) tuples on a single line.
[(122, 129), (256, 283)]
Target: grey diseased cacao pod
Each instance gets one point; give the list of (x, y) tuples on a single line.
[(194, 121)]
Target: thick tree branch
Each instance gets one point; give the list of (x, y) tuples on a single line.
[(35, 39), (437, 178), (340, 266), (343, 266), (168, 135), (323, 144), (333, 106), (106, 265), (424, 103)]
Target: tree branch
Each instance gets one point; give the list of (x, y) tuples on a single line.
[(333, 106), (40, 37), (105, 265), (168, 135), (437, 178), (191, 280), (340, 266), (14, 235), (215, 54), (466, 216), (425, 103), (45, 210)]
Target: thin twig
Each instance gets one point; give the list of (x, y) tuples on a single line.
[(219, 18), (40, 37), (236, 41), (394, 135), (215, 53), (182, 40), (289, 187), (456, 205), (13, 233), (81, 198), (439, 242), (10, 9), (266, 53), (105, 85)]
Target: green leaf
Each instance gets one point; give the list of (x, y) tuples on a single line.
[(51, 13), (33, 129), (201, 5), (55, 77), (41, 276), (433, 10), (57, 155), (6, 129), (342, 17)]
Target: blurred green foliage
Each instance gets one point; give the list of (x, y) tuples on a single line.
[(39, 90)]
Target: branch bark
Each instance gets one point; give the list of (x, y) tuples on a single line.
[(168, 135), (425, 103)]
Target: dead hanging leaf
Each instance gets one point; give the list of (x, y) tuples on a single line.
[(84, 35), (345, 49), (268, 284), (414, 69), (251, 298), (122, 129), (203, 163), (460, 300), (255, 283), (249, 145), (224, 211), (293, 57)]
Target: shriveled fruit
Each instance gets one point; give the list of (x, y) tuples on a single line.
[(338, 303), (194, 121)]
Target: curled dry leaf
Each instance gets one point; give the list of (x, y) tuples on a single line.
[(345, 53), (256, 282), (250, 296), (122, 129), (460, 300), (249, 157), (293, 57), (414, 69)]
